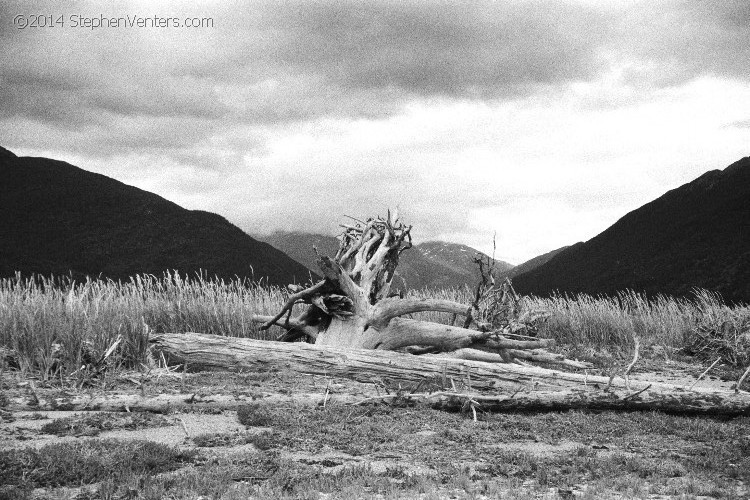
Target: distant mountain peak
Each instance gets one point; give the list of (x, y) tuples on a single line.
[(432, 264)]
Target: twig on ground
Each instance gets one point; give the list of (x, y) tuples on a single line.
[(325, 396), (704, 373), (184, 428), (742, 379), (418, 387), (631, 396)]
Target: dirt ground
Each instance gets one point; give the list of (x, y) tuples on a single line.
[(218, 433)]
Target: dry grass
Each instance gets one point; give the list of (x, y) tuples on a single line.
[(56, 327), (702, 324), (53, 327)]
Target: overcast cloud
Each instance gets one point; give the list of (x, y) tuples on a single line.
[(542, 120)]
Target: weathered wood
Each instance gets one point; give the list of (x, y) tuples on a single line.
[(513, 387), (393, 307), (159, 403), (352, 306), (564, 399)]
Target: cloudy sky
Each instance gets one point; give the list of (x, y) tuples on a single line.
[(543, 121)]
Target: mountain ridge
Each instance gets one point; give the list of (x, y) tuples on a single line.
[(431, 264), (694, 236), (61, 219), (530, 264)]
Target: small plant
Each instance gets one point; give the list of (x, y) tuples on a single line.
[(255, 415), (87, 461), (15, 492), (95, 423), (265, 440)]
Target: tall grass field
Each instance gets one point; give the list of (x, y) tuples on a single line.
[(53, 327)]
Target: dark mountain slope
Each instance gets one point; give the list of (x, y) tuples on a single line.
[(530, 264), (57, 218), (299, 246), (434, 264), (697, 235)]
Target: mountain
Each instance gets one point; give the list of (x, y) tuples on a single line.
[(697, 235), (438, 264), (531, 264), (434, 264), (56, 218), (299, 246)]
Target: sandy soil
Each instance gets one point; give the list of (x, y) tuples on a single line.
[(24, 428)]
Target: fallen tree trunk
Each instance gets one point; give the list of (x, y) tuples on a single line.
[(498, 386), (158, 403), (565, 399)]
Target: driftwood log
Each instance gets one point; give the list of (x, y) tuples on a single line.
[(454, 382), (156, 403)]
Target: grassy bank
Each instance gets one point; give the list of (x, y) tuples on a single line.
[(55, 329)]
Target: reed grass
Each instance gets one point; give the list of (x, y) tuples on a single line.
[(52, 326), (669, 322)]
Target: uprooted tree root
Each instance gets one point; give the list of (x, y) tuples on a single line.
[(353, 307)]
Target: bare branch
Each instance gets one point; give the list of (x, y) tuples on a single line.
[(498, 341), (477, 355), (288, 323), (704, 373), (364, 251), (636, 353), (549, 358), (354, 248), (390, 308), (377, 258), (403, 332), (333, 272), (293, 299), (742, 379), (353, 218)]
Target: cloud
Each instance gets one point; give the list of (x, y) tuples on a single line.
[(475, 49), (543, 120), (295, 61), (738, 124), (281, 62), (670, 42)]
